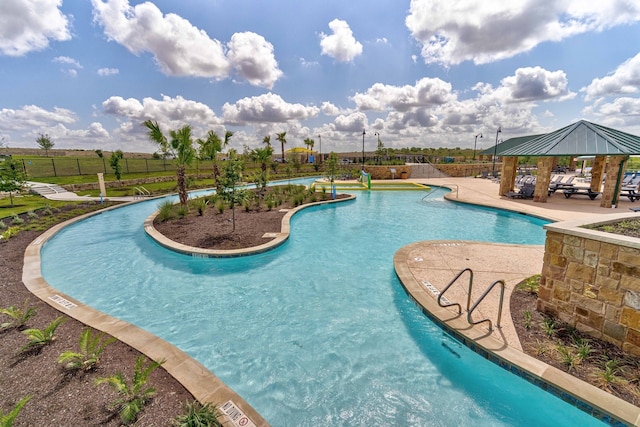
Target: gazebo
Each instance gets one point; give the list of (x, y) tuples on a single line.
[(610, 148)]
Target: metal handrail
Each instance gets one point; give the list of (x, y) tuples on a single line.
[(140, 192), (450, 284), (471, 322)]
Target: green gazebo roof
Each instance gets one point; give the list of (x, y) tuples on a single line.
[(578, 139)]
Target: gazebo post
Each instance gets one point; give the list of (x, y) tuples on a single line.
[(508, 174), (545, 166), (610, 192), (597, 172)]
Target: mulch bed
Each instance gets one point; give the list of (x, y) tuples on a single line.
[(60, 398), (537, 343)]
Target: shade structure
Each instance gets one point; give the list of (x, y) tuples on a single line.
[(578, 139)]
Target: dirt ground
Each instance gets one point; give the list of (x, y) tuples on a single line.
[(59, 398), (62, 399)]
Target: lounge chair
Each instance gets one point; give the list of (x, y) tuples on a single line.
[(526, 192), (561, 185)]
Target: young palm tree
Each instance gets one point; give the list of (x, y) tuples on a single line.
[(309, 143), (209, 150), (262, 156), (281, 137), (181, 146), (267, 140)]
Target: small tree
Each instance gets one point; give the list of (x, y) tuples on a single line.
[(229, 180), (99, 153), (331, 170), (12, 177), (45, 142), (114, 162)]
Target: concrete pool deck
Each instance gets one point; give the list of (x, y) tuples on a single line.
[(425, 268)]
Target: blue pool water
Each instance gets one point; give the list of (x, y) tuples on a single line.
[(319, 331)]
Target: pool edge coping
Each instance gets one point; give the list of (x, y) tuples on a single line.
[(203, 384), (281, 236), (505, 355)]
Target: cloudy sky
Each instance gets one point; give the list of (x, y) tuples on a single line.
[(419, 73)]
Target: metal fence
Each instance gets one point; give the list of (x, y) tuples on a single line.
[(68, 166)]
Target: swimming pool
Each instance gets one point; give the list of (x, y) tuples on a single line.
[(318, 331)]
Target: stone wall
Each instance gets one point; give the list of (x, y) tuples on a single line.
[(591, 280), (467, 169), (384, 172)]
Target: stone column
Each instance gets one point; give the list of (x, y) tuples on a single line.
[(608, 192), (509, 168), (597, 172), (545, 165)]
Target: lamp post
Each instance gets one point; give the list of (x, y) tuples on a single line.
[(363, 134), (474, 145), (320, 138), (495, 150), (377, 147)]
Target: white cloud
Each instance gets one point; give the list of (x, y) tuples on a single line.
[(426, 92), (173, 113), (30, 25), (624, 80), (181, 49), (329, 109), (536, 84), (252, 58), (67, 60), (482, 32), (624, 106), (354, 122), (34, 117), (266, 108), (340, 45), (104, 72)]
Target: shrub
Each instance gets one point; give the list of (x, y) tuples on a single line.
[(182, 210), (20, 315), (42, 337), (10, 232), (16, 220), (195, 414), (3, 226), (220, 205), (134, 395), (6, 420), (166, 211), (32, 215), (531, 284), (91, 348), (201, 205)]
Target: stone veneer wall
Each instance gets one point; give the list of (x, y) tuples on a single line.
[(591, 280), (466, 169)]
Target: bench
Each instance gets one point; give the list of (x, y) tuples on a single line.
[(582, 192), (630, 192)]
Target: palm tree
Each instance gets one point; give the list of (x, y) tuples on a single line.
[(309, 143), (281, 137), (181, 146), (211, 147), (262, 156), (267, 140)]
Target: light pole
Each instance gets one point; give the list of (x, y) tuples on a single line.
[(495, 150), (474, 145), (320, 138), (363, 134), (377, 147)]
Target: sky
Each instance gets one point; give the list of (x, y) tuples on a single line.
[(409, 73)]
